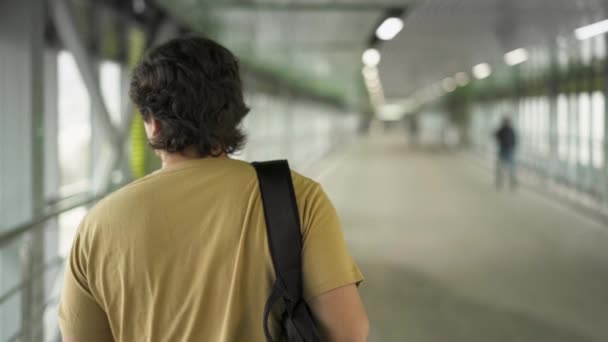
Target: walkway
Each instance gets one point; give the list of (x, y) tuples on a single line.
[(447, 258)]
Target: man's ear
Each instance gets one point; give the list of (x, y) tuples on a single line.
[(153, 127)]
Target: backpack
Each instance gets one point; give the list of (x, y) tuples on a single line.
[(285, 242)]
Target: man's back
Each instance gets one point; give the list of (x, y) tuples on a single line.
[(182, 255), (506, 139)]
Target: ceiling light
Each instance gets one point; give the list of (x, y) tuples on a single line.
[(371, 57), (516, 57), (375, 86), (592, 30), (462, 79), (481, 71), (389, 28), (370, 77), (448, 84), (391, 112), (139, 6), (373, 83), (370, 72)]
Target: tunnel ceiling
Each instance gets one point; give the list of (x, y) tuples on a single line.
[(319, 43), (443, 37), (307, 41)]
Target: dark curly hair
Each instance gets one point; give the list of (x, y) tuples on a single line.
[(193, 87)]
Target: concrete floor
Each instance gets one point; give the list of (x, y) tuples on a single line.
[(448, 258)]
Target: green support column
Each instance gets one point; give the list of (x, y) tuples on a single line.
[(138, 141)]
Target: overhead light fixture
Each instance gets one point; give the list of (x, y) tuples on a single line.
[(391, 112), (389, 28), (139, 6), (481, 71), (372, 81), (516, 56), (592, 30), (369, 72), (371, 57), (462, 79), (448, 84), (374, 89)]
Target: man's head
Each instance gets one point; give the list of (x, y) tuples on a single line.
[(190, 96), (506, 121)]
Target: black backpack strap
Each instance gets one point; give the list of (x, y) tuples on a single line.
[(285, 242), (282, 224)]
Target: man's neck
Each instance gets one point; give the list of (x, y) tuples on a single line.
[(169, 159)]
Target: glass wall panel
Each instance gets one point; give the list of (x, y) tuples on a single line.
[(584, 133), (298, 129), (68, 225), (562, 127), (598, 124), (572, 130), (543, 125), (110, 75), (600, 46), (74, 137), (587, 50)]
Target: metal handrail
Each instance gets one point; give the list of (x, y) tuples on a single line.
[(39, 325), (52, 211), (55, 262)]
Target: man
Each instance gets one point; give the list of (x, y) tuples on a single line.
[(507, 141), (182, 254)]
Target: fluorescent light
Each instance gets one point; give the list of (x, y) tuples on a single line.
[(372, 81), (371, 57), (592, 30), (481, 71), (139, 6), (391, 112), (448, 84), (516, 57), (389, 28), (374, 87), (370, 72), (462, 79), (373, 84)]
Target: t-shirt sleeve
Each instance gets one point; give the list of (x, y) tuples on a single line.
[(80, 315), (326, 261)]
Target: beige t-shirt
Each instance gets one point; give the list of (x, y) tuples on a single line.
[(182, 255)]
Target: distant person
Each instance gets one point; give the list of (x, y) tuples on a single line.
[(507, 143), (182, 254), (413, 130)]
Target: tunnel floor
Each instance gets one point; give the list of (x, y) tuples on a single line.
[(448, 258)]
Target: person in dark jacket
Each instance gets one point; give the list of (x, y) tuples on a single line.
[(507, 143)]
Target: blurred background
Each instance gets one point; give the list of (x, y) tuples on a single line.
[(394, 106)]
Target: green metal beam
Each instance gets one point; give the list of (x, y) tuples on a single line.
[(302, 6), (302, 47)]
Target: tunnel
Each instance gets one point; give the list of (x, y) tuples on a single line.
[(462, 143)]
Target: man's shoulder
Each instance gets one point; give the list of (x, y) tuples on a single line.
[(302, 184), (117, 204)]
